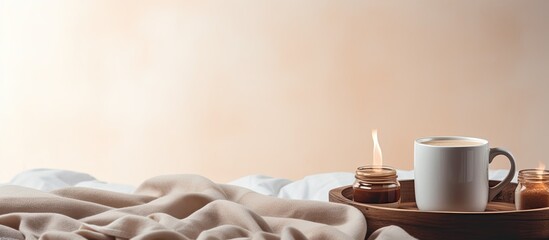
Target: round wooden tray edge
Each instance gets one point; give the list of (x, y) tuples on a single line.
[(516, 224), (339, 193)]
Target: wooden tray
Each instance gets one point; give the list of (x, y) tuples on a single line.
[(499, 221)]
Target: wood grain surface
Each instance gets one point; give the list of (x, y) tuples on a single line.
[(500, 220)]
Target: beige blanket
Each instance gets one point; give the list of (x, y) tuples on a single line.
[(171, 207)]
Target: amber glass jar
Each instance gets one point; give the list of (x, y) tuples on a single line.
[(376, 185), (532, 190)]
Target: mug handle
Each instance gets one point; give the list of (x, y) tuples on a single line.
[(497, 189)]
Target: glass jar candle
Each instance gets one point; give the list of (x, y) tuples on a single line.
[(532, 190), (376, 185)]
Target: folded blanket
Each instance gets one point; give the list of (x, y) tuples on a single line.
[(171, 207)]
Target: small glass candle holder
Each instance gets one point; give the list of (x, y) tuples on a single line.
[(532, 190), (376, 185)]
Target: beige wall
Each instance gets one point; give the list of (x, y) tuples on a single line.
[(126, 90)]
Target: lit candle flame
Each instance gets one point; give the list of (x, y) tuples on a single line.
[(378, 160), (541, 166)]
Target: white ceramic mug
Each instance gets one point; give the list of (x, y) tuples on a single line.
[(451, 173)]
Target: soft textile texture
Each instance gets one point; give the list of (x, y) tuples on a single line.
[(171, 207), (51, 179), (312, 187)]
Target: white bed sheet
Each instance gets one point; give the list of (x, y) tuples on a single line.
[(312, 187), (52, 179)]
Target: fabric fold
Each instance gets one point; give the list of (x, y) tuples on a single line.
[(171, 207)]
